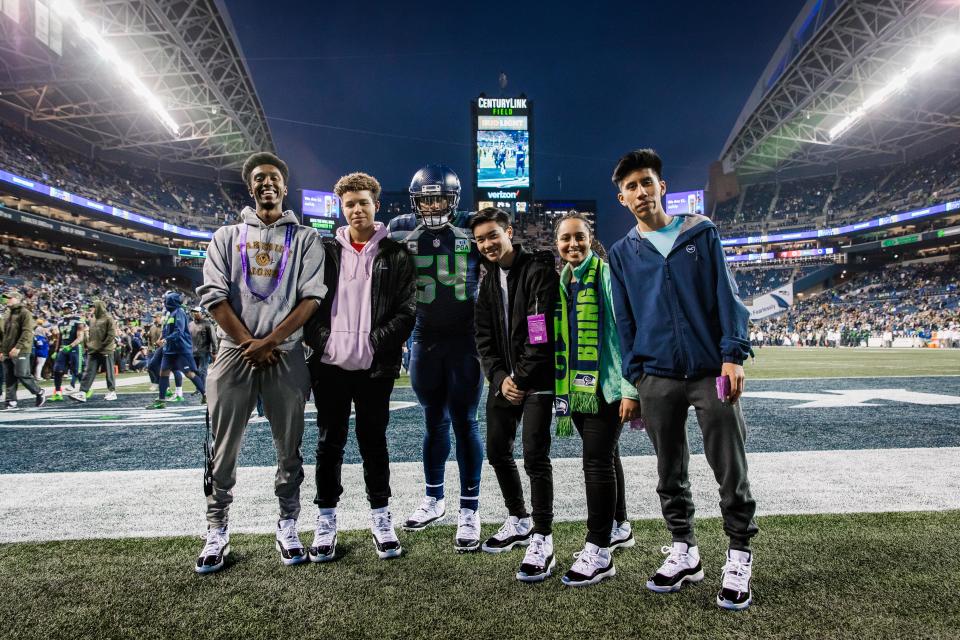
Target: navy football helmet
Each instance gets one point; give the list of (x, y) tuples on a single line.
[(434, 195)]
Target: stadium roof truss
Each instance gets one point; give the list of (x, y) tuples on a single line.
[(183, 50), (855, 50)]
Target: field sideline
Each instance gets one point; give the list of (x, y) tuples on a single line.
[(832, 572)]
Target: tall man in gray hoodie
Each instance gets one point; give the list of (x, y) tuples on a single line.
[(262, 280)]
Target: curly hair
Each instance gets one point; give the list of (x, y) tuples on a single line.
[(264, 157), (357, 181), (595, 245)]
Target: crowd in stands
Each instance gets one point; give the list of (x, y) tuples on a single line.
[(753, 281), (52, 287), (904, 301), (833, 199), (182, 200)]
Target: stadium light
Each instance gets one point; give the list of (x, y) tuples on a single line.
[(69, 12), (946, 46)]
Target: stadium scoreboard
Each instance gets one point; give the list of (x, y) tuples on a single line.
[(685, 202), (502, 153), (321, 211)]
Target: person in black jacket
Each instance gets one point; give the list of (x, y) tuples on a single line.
[(515, 342), (357, 337)]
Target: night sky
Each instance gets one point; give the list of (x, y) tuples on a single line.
[(353, 86)]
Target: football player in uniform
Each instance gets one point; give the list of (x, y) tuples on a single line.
[(176, 347), (70, 354), (444, 363)]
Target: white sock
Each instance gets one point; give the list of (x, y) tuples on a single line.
[(179, 392)]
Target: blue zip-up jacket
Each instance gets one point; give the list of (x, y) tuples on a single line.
[(679, 316), (176, 328)]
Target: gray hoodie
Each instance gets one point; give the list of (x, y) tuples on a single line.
[(223, 277)]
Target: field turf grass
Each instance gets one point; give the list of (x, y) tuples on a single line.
[(825, 576), (795, 362)]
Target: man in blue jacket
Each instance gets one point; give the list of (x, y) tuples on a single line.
[(177, 347), (681, 326)]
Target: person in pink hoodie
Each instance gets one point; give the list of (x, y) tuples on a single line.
[(357, 337)]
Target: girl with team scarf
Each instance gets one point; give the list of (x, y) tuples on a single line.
[(591, 394)]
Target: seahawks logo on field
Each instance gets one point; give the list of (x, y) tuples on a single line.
[(584, 380), (461, 245)]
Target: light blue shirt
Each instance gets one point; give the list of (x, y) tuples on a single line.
[(664, 238)]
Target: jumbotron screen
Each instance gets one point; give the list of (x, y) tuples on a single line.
[(685, 202), (321, 210), (503, 152), (321, 204)]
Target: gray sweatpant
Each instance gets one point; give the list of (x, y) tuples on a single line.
[(94, 360), (664, 403), (232, 390)]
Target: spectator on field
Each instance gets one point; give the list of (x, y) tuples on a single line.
[(204, 341), (16, 343)]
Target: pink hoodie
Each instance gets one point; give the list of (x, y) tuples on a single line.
[(350, 317)]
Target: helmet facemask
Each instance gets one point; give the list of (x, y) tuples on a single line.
[(435, 210)]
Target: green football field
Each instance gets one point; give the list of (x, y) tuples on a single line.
[(820, 575), (805, 362), (853, 576)]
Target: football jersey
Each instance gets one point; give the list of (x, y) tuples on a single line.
[(448, 274), (69, 330)]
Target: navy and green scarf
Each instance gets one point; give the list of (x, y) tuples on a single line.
[(579, 336)]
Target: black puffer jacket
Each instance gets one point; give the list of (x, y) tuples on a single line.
[(394, 305), (532, 288)]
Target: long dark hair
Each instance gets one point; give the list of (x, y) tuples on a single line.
[(595, 245)]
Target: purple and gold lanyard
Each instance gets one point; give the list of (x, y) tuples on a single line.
[(245, 261)]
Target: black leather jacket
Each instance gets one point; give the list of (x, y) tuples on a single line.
[(394, 305)]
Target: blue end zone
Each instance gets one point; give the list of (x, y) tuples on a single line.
[(101, 436)]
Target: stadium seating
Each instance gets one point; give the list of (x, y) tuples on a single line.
[(181, 200), (854, 195), (904, 300)]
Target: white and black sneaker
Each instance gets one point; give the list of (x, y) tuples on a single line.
[(11, 405), (216, 547), (288, 543), (735, 592), (538, 561), (110, 396), (468, 531), (40, 399), (593, 565), (682, 565), (514, 532), (79, 396), (384, 537), (324, 547), (621, 536), (430, 510)]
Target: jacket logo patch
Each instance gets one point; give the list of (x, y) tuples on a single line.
[(412, 247), (691, 248), (461, 245)]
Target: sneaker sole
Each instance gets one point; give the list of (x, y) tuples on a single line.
[(216, 567), (320, 557), (723, 603), (519, 543), (289, 562), (625, 544), (471, 548), (423, 525), (540, 577), (600, 577), (692, 578), (390, 553)]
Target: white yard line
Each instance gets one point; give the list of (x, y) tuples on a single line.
[(119, 504)]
